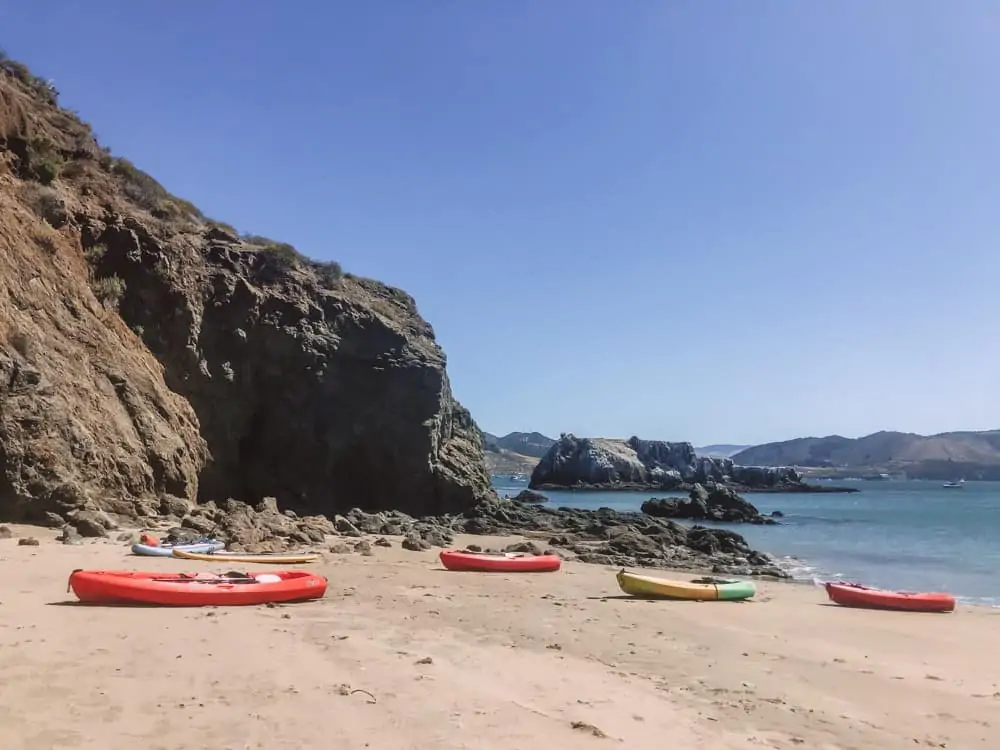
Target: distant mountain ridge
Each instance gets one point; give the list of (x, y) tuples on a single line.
[(974, 455), (515, 452), (533, 444)]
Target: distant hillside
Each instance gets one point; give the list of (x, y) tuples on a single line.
[(974, 455), (720, 450), (515, 452), (533, 444), (507, 462)]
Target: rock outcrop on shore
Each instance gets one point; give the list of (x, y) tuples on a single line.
[(149, 354), (603, 536), (601, 463), (713, 502), (608, 537)]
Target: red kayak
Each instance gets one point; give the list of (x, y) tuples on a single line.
[(195, 589), (856, 595), (507, 562)]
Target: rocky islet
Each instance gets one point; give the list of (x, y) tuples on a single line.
[(636, 464), (713, 502)]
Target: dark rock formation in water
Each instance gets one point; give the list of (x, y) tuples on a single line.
[(712, 502), (610, 537), (601, 463), (530, 496)]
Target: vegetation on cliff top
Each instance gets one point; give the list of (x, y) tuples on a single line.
[(45, 157)]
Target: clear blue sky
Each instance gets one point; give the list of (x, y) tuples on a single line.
[(717, 222)]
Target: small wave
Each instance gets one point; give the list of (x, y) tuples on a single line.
[(795, 518), (811, 576), (798, 569), (990, 602)]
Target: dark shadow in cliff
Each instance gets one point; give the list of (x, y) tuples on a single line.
[(324, 398), (8, 497)]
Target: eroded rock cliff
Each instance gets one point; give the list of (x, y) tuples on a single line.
[(149, 354)]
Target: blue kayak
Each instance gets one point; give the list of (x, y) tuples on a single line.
[(166, 549)]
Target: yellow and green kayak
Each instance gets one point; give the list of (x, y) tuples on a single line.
[(236, 557), (661, 588)]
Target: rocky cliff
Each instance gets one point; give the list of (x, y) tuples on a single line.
[(600, 463), (149, 354)]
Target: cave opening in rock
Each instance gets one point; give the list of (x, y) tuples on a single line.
[(8, 496)]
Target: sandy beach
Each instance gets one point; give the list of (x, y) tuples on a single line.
[(402, 654)]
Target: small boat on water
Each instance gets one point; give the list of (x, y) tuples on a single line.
[(507, 562), (954, 485), (864, 597), (698, 590), (195, 589)]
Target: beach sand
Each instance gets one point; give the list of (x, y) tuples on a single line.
[(458, 660)]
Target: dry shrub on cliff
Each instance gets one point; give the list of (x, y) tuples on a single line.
[(227, 228), (39, 86), (174, 208), (109, 291), (143, 189), (257, 240), (44, 160), (45, 202), (329, 272), (286, 254), (95, 253), (47, 240)]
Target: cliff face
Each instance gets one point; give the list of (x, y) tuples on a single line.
[(654, 464), (148, 351)]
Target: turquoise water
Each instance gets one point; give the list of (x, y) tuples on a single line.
[(899, 535)]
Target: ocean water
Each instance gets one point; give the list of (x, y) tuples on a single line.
[(910, 536)]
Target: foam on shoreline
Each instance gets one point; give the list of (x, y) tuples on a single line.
[(803, 573)]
